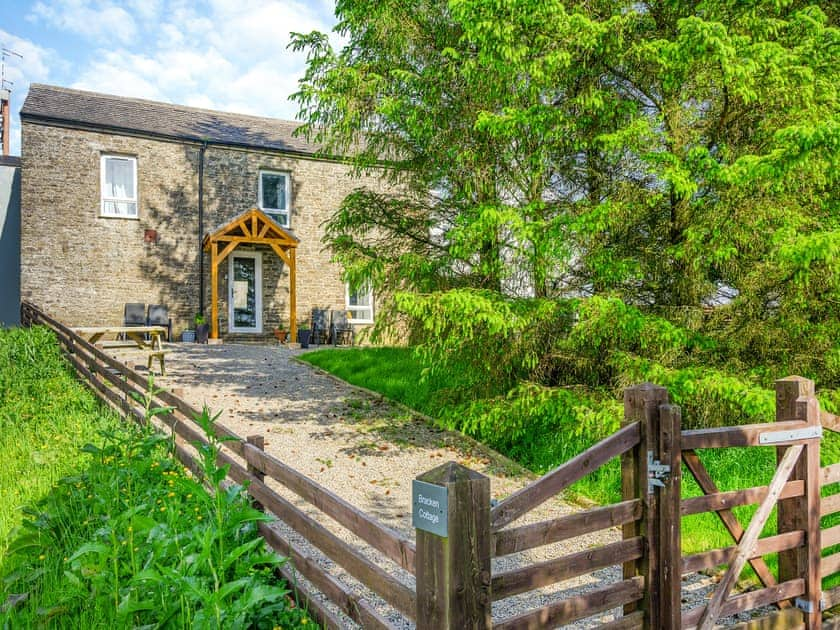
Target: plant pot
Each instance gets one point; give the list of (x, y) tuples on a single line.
[(281, 335), (202, 333), (303, 338)]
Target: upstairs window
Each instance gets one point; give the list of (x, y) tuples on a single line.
[(276, 196), (360, 304), (119, 186)]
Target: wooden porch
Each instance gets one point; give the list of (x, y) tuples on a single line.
[(251, 228)]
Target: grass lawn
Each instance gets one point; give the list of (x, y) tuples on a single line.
[(397, 374), (99, 527)]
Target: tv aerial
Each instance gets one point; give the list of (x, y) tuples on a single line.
[(5, 53)]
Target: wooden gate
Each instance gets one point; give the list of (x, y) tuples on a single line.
[(654, 452)]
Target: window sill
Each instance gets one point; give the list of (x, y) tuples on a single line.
[(114, 216)]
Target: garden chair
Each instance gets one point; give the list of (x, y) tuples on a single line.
[(320, 325), (134, 314), (341, 330), (159, 316)]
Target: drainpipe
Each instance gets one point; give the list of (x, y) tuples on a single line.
[(201, 151)]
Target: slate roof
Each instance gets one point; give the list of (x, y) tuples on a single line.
[(91, 110)]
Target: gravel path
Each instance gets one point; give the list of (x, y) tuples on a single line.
[(367, 451)]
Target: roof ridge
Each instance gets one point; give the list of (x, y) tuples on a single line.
[(147, 101)]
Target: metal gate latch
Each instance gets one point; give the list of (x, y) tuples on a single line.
[(808, 606), (657, 471)]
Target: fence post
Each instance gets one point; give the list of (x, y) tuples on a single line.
[(453, 571), (259, 442), (795, 400), (643, 470)]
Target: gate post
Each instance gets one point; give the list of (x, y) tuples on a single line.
[(651, 473), (452, 565), (795, 400)]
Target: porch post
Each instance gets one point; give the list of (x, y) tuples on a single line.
[(214, 283), (292, 294)]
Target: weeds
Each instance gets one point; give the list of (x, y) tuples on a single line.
[(132, 540)]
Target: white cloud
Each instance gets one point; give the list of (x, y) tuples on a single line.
[(36, 65), (234, 58), (229, 55), (97, 20)]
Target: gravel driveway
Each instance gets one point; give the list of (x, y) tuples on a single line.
[(367, 451)]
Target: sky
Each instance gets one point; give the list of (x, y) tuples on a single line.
[(229, 55)]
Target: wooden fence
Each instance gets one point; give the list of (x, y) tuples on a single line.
[(454, 585)]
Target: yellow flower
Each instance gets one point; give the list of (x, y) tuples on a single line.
[(42, 557), (171, 494), (130, 528), (199, 517), (163, 509)]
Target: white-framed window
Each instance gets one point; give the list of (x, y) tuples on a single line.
[(275, 195), (360, 304), (118, 174)]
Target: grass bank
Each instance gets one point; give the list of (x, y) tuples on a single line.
[(46, 417), (542, 428), (113, 532)]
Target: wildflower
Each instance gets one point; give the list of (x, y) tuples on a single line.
[(42, 557), (163, 508), (171, 494), (199, 517), (130, 528)]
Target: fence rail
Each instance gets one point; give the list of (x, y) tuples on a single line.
[(121, 386), (454, 585)]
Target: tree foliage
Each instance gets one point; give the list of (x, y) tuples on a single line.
[(578, 183)]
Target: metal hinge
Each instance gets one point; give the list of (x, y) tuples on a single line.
[(657, 472), (807, 606), (775, 437)]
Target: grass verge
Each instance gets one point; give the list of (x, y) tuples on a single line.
[(541, 428), (122, 535)]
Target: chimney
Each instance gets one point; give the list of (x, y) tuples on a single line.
[(5, 116)]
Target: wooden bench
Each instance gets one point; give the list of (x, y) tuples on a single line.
[(159, 355)]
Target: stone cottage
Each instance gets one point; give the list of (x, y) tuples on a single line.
[(127, 200)]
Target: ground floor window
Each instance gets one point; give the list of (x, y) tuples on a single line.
[(360, 303)]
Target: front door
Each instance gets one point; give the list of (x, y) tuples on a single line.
[(245, 292)]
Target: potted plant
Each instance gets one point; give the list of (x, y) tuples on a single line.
[(303, 337), (280, 332), (202, 328)]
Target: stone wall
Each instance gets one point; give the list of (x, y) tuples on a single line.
[(83, 268)]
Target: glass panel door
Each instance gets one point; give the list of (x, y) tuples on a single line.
[(245, 292)]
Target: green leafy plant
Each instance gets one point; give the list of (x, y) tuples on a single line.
[(133, 539)]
